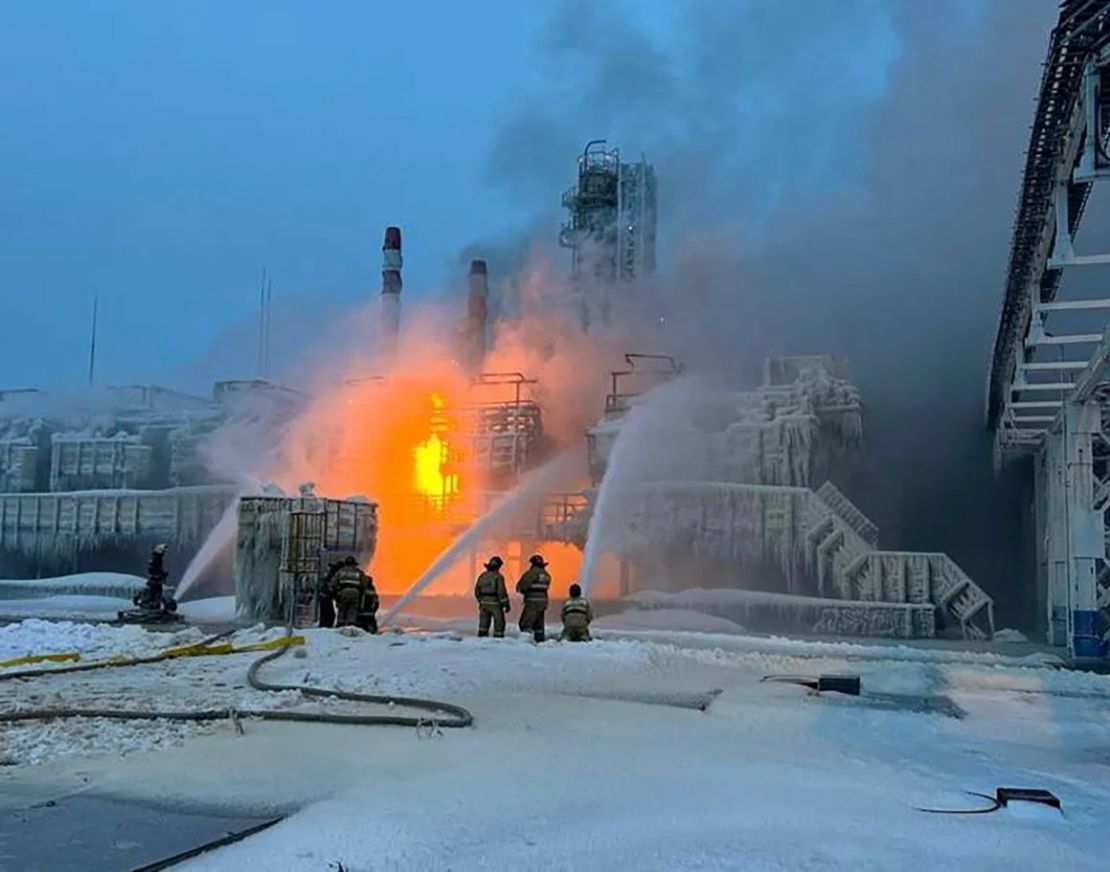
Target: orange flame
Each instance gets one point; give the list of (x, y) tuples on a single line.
[(401, 440), (432, 475)]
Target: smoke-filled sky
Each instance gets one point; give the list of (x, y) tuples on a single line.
[(835, 175), (159, 154)]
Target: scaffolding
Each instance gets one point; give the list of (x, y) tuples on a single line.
[(504, 428), (611, 231), (627, 384)]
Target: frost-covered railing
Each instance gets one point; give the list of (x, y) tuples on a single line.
[(817, 539), (800, 613), (751, 523), (743, 523), (56, 523), (564, 517), (841, 542), (892, 576), (954, 592), (848, 512), (924, 577), (833, 549)]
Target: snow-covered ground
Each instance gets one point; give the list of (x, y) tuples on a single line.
[(95, 596), (85, 596), (684, 620), (104, 584), (564, 768), (73, 606), (217, 609)]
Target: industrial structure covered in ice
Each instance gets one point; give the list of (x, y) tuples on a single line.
[(611, 230), (283, 546), (741, 491), (92, 482), (735, 490)]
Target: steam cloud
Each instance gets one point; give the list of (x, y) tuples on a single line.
[(835, 177)]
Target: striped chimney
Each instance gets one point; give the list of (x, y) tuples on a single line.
[(391, 289)]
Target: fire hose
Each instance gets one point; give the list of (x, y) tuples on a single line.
[(167, 654), (995, 805), (456, 716)]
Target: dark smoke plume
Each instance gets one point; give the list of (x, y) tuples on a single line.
[(834, 177)]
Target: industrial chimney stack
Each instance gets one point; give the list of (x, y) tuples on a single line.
[(391, 290), (476, 313)]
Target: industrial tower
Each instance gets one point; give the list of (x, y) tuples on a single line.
[(611, 231)]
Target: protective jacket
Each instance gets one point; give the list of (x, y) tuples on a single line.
[(155, 570), (534, 584), (349, 578), (489, 589), (577, 612), (370, 601)]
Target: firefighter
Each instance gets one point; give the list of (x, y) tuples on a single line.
[(577, 615), (156, 575), (533, 586), (368, 610), (493, 599), (348, 587), (325, 593)]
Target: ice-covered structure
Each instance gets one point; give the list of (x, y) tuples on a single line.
[(92, 482), (799, 427), (611, 228), (283, 546), (736, 489)]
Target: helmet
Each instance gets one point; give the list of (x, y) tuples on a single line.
[(536, 560), (495, 562), (160, 548), (350, 561), (575, 590)]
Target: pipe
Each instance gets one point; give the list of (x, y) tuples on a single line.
[(477, 314), (391, 289)]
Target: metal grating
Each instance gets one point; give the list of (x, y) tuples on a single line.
[(1082, 28)]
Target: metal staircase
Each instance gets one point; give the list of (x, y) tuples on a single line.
[(841, 555), (841, 552), (847, 511)]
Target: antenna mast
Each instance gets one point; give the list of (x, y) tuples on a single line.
[(92, 343), (269, 313), (262, 323)]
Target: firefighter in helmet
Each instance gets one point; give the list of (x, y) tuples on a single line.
[(348, 586), (493, 599), (533, 586)]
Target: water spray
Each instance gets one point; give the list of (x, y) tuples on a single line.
[(631, 460), (531, 489), (219, 540)]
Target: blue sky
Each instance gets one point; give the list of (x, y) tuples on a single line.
[(158, 154)]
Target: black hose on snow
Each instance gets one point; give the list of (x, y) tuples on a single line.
[(995, 805), (457, 715)]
